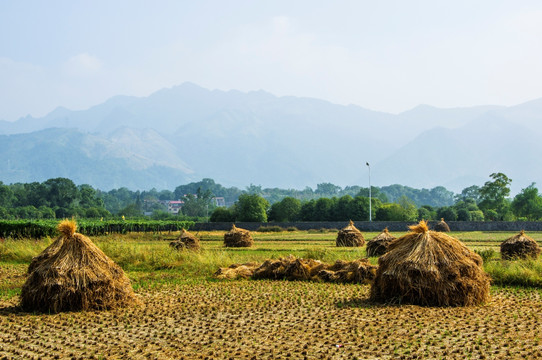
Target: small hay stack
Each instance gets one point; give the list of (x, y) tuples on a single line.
[(441, 226), (427, 267), (185, 241), (75, 275), (520, 246), (378, 245), (350, 236), (238, 237)]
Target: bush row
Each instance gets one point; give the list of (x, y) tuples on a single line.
[(36, 229)]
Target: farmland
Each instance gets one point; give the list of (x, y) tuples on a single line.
[(185, 313)]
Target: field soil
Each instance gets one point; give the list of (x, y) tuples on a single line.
[(248, 319)]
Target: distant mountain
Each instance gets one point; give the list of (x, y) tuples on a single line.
[(88, 159), (187, 133), (458, 158)]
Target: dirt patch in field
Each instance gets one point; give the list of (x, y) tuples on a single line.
[(277, 320)]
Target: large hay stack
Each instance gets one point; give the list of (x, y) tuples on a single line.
[(350, 236), (427, 267), (378, 245), (519, 246), (185, 241), (74, 274), (238, 237), (441, 226)]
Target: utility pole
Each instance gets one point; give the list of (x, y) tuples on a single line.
[(370, 212)]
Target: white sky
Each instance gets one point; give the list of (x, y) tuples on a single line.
[(381, 55)]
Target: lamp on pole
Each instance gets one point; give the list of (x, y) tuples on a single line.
[(370, 212)]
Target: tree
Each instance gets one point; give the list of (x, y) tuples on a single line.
[(252, 208), (60, 192), (199, 204), (528, 203), (222, 214), (327, 189), (447, 213), (288, 209), (471, 192), (493, 196)]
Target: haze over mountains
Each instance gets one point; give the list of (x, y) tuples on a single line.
[(187, 133)]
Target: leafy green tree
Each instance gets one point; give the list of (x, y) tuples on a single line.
[(307, 210), (493, 196), (528, 204), (288, 209), (198, 205), (464, 215), (252, 208), (327, 189), (6, 195), (60, 192), (447, 213), (409, 208), (222, 214), (471, 192), (390, 212), (131, 210), (88, 197), (323, 209)]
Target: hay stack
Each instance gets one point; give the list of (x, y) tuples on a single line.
[(238, 237), (185, 241), (441, 226), (75, 274), (350, 236), (356, 272), (430, 268), (378, 245), (519, 246)]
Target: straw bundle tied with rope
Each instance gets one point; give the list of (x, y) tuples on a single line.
[(378, 245), (238, 237), (74, 274), (185, 241), (350, 236), (520, 246), (427, 267)]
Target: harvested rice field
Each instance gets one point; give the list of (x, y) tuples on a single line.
[(185, 313)]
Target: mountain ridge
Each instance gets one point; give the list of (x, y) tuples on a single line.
[(187, 133)]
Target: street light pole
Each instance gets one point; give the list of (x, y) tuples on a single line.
[(370, 202)]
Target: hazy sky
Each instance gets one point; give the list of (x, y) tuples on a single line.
[(381, 55)]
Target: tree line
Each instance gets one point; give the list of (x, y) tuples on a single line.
[(61, 198)]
